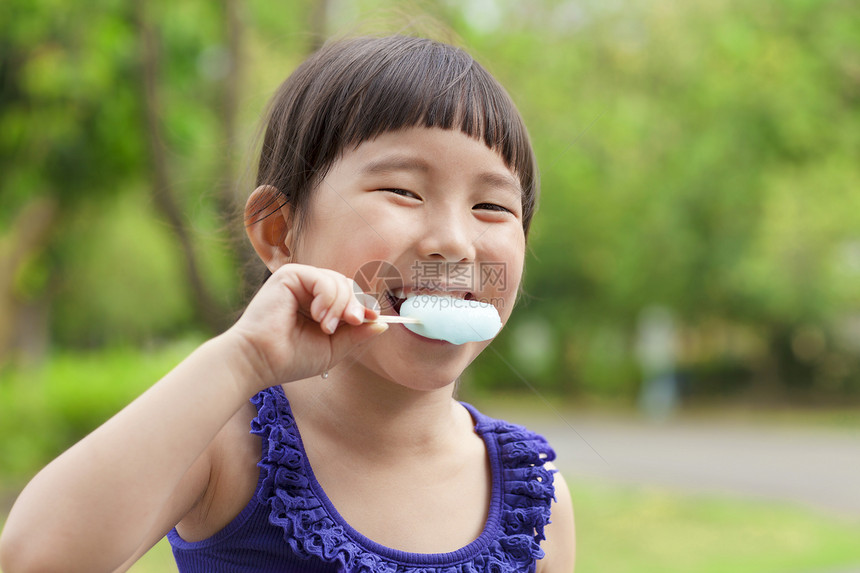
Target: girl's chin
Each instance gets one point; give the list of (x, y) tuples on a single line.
[(416, 362), (419, 376), (413, 379)]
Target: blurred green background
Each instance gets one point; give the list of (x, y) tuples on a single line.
[(697, 244)]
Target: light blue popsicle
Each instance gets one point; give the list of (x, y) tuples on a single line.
[(451, 319)]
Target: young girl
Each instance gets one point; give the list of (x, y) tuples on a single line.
[(400, 151)]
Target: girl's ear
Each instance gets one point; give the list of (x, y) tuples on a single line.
[(268, 223)]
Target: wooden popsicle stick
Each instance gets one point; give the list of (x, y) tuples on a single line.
[(386, 318), (394, 319)]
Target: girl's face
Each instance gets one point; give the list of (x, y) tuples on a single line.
[(429, 211)]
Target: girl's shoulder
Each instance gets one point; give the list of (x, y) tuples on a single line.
[(539, 500), (519, 440), (522, 471)]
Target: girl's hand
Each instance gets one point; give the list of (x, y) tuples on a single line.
[(301, 323)]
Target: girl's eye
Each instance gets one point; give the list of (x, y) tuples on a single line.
[(491, 207), (401, 192)]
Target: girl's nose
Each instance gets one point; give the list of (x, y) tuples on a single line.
[(450, 237)]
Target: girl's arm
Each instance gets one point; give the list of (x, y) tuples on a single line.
[(94, 507)]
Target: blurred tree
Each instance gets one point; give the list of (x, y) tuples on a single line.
[(697, 156), (209, 312), (21, 242), (81, 115), (701, 157), (59, 112)]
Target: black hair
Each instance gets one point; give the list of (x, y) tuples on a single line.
[(351, 91)]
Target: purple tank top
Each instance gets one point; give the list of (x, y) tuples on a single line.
[(291, 526)]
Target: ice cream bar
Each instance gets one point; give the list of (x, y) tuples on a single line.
[(452, 319)]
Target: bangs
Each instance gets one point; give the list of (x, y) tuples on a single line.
[(433, 85)]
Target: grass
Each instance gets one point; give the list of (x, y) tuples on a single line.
[(627, 529), (623, 529)]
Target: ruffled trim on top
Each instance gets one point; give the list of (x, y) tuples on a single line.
[(520, 509)]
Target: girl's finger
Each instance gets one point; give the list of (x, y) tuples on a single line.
[(331, 296), (359, 305), (324, 292), (332, 299), (345, 306), (368, 301)]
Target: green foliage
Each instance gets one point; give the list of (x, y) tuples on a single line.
[(697, 156), (69, 119), (45, 409), (111, 242), (72, 125)]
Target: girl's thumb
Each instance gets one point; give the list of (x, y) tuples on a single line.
[(347, 336)]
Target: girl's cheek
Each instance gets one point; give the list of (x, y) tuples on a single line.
[(509, 250)]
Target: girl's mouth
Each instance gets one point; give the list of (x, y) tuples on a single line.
[(394, 299)]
